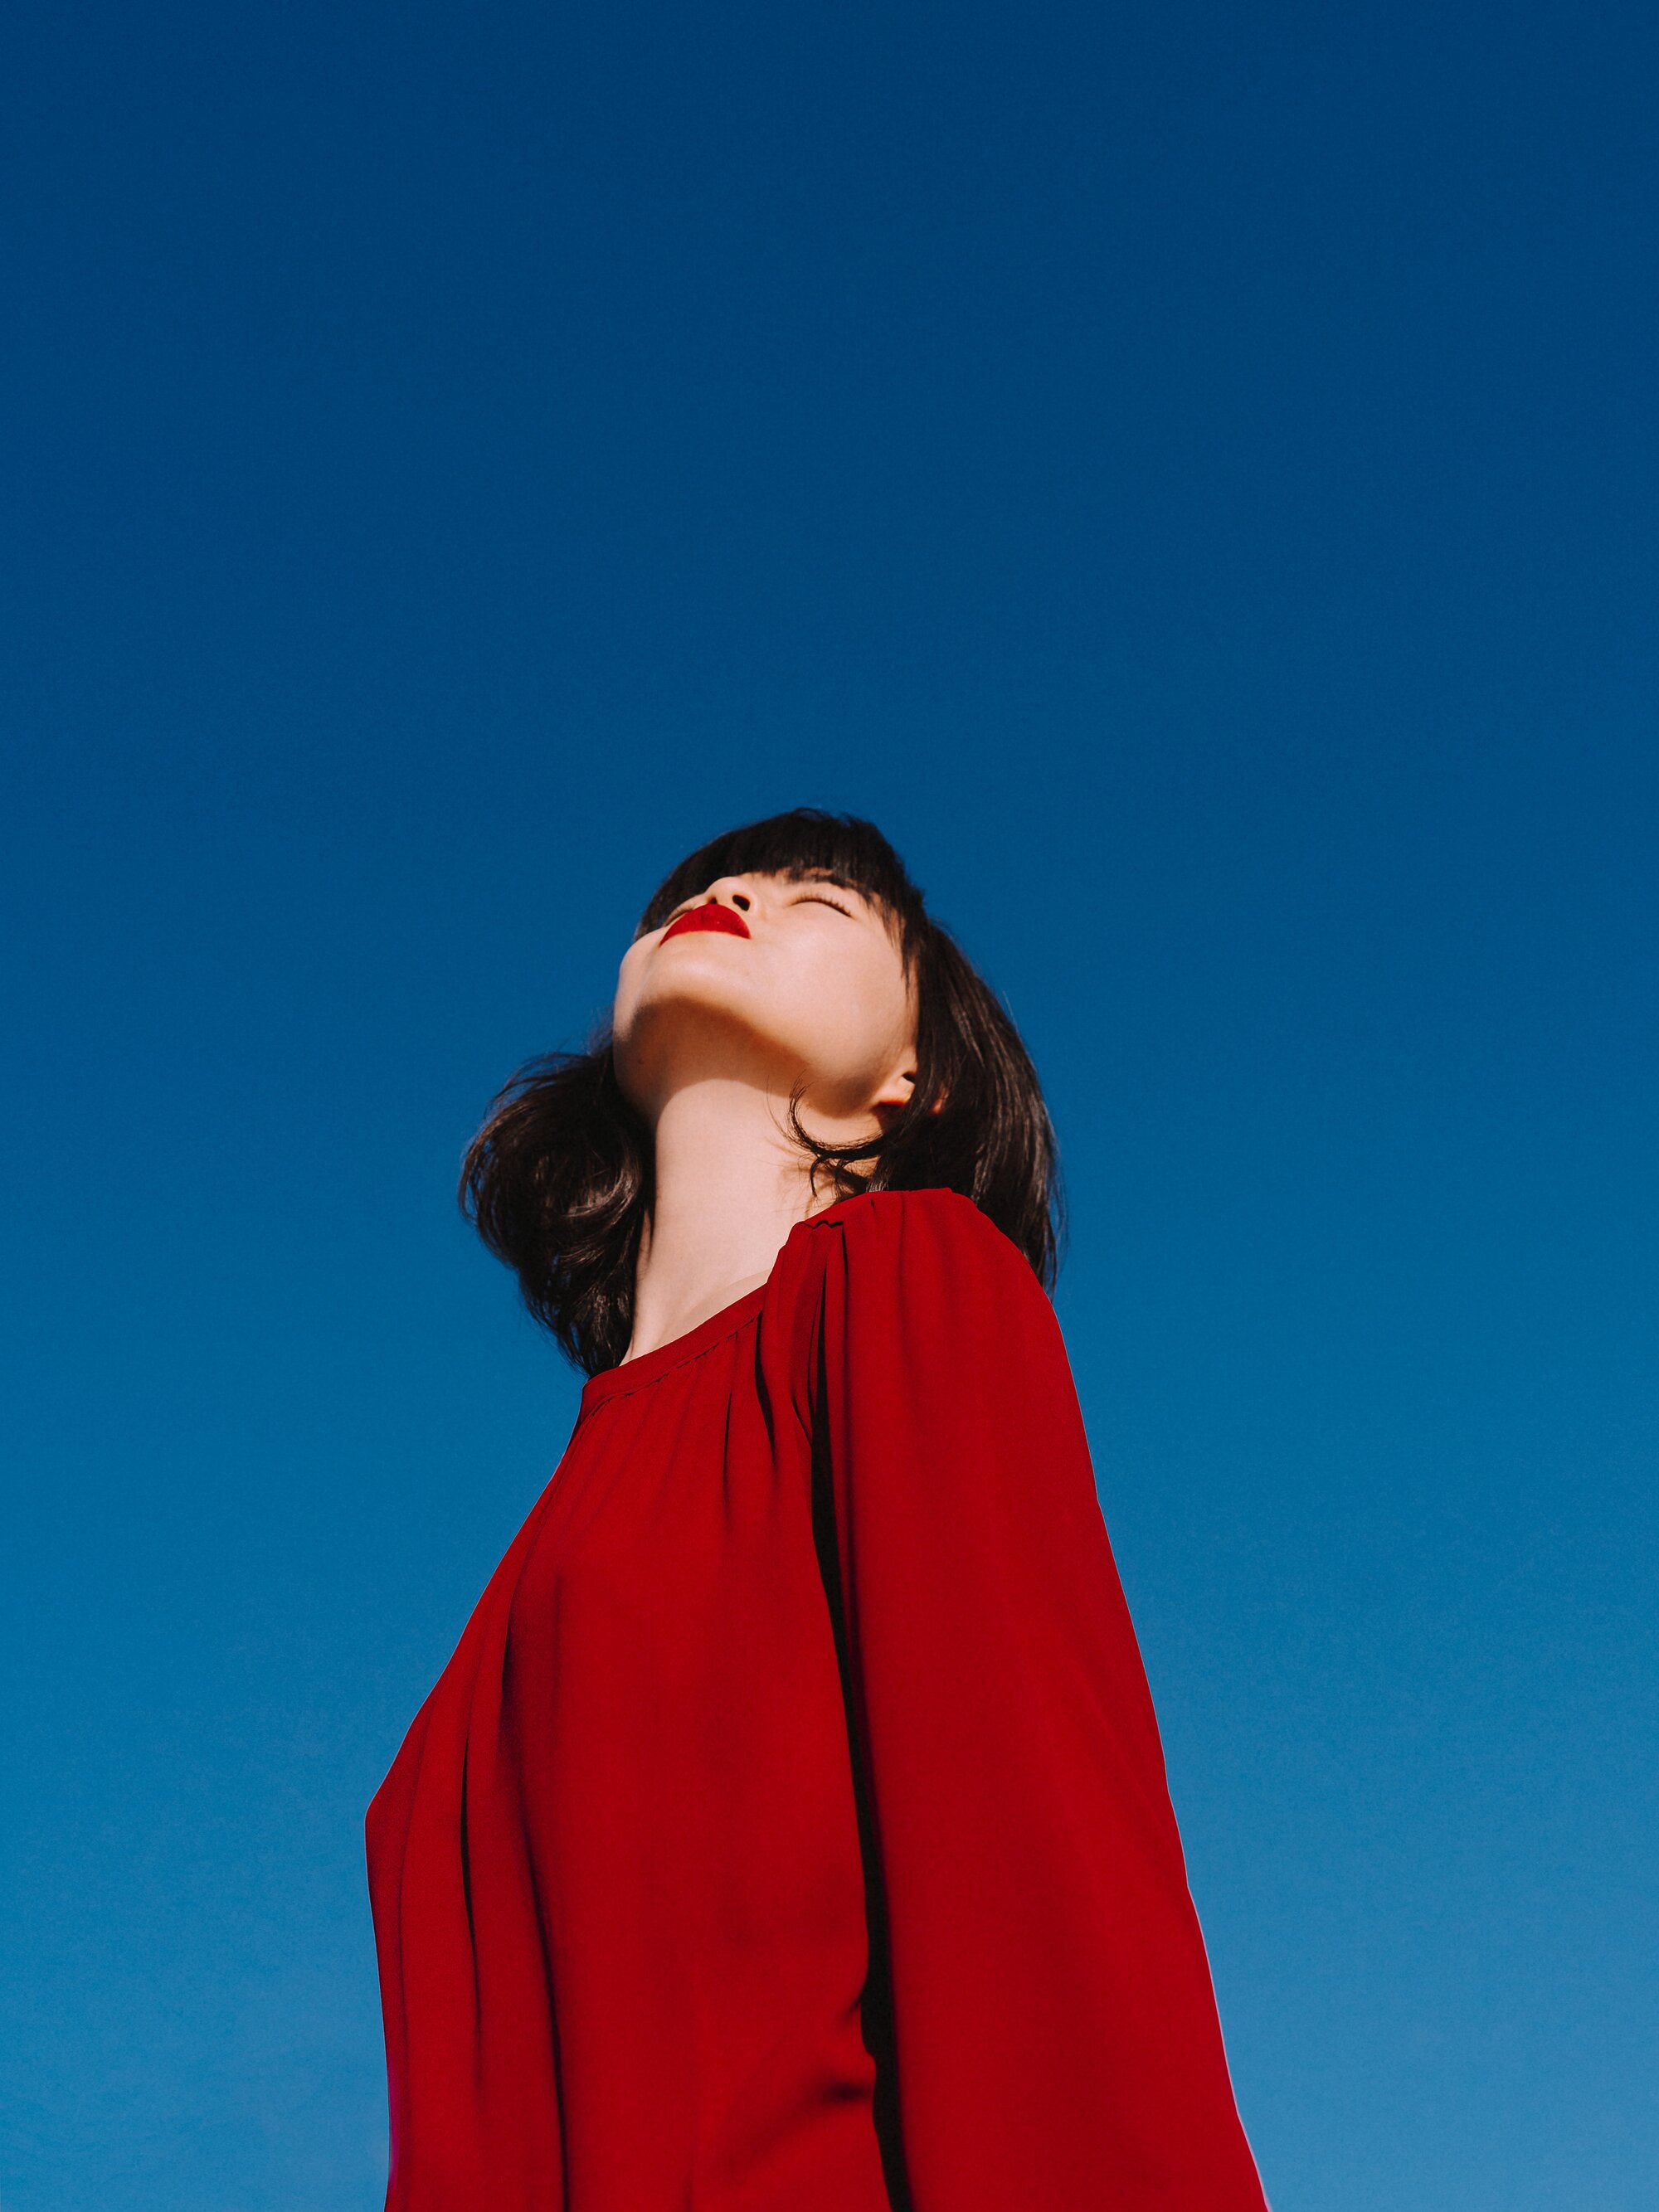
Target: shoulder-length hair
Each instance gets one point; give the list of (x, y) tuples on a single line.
[(558, 1180)]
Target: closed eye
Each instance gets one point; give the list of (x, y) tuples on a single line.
[(818, 898)]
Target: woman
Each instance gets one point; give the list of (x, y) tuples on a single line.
[(789, 1831)]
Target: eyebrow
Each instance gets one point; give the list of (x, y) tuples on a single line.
[(827, 876)]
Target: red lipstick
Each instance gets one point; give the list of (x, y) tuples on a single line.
[(711, 916)]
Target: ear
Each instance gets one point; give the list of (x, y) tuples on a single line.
[(895, 1096)]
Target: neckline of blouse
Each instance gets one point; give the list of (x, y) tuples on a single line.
[(638, 1374)]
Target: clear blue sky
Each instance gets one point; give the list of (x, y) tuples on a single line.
[(1189, 473)]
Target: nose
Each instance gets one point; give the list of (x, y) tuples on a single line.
[(731, 890)]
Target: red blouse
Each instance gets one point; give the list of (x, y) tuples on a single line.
[(789, 1831)]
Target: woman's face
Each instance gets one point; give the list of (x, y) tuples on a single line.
[(795, 984)]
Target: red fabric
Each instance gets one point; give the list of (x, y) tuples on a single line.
[(789, 1831)]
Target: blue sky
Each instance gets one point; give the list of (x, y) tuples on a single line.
[(1189, 473)]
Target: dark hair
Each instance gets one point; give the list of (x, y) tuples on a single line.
[(558, 1179)]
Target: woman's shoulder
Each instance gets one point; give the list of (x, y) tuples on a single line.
[(914, 1291), (913, 1232)]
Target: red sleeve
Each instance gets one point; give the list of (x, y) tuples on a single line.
[(1054, 2035)]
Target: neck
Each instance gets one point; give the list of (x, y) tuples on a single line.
[(730, 1183)]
